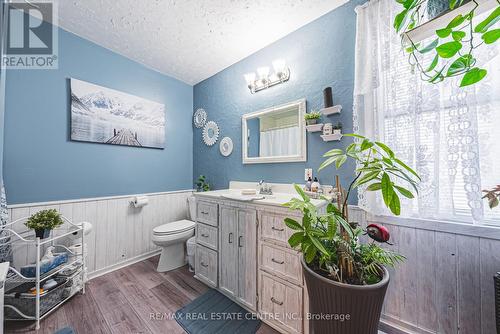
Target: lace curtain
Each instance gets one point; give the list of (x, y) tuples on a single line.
[(449, 135)]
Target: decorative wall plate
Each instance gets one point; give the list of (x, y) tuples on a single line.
[(200, 118), (210, 133), (226, 146)]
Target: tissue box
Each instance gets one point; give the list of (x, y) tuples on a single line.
[(45, 266)]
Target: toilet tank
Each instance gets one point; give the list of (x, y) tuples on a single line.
[(192, 208)]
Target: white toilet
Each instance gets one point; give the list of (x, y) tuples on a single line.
[(171, 237)]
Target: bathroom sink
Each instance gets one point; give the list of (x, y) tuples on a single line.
[(243, 198)]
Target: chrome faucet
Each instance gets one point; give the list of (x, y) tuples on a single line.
[(264, 188)]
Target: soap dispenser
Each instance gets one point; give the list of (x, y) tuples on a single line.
[(308, 184), (315, 185)]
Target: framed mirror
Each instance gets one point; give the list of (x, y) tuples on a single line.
[(275, 134)]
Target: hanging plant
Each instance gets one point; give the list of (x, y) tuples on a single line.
[(453, 46)]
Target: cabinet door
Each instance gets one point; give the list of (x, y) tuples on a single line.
[(228, 251), (247, 258)]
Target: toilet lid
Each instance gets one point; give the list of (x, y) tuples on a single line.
[(174, 227)]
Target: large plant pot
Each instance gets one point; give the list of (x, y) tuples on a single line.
[(42, 233), (329, 302)]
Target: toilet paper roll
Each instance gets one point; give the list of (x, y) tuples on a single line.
[(140, 201)]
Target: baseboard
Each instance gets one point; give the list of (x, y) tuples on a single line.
[(123, 264)]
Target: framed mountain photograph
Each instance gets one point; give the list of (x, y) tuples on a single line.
[(104, 115)]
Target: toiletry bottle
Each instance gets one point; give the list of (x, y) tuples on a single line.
[(308, 184), (315, 185)]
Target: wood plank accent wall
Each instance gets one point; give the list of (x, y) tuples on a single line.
[(121, 233), (446, 284)]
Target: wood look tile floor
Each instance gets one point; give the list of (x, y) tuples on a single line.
[(123, 301)]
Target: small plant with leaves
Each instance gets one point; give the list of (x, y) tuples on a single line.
[(44, 220), (493, 196), (337, 126), (312, 115), (452, 46), (330, 243), (202, 184)]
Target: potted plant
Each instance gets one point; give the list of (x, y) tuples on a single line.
[(343, 275), (337, 129), (312, 117), (43, 222), (202, 184)]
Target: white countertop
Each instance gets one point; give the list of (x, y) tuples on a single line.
[(276, 199)]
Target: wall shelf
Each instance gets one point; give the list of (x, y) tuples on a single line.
[(428, 29), (314, 127), (331, 110), (332, 137)]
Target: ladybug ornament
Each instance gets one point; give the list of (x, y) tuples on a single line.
[(378, 233)]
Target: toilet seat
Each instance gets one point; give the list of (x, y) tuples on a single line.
[(174, 227)]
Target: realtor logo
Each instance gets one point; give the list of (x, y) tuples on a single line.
[(31, 36)]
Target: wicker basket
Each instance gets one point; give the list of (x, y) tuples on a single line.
[(27, 303), (497, 300)]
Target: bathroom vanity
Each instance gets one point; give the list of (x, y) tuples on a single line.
[(242, 250)]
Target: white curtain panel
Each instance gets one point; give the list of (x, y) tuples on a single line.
[(279, 142), (449, 134)]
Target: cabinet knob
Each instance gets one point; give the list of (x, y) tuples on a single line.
[(239, 241), (230, 238), (203, 264), (277, 229), (276, 302), (204, 235), (276, 261)]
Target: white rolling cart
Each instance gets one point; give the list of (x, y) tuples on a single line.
[(69, 276)]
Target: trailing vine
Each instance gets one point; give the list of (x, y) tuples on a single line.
[(453, 45)]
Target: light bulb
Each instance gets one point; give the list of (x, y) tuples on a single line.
[(263, 72), (250, 78), (279, 65)]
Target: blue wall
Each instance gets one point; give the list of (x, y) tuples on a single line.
[(42, 164), (319, 54)]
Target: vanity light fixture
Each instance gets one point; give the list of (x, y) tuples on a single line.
[(263, 79)]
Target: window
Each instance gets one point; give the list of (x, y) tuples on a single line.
[(450, 135)]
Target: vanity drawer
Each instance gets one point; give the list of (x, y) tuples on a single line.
[(282, 301), (273, 228), (207, 213), (205, 266), (281, 261), (206, 235)]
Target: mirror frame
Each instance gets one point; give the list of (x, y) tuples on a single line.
[(302, 156)]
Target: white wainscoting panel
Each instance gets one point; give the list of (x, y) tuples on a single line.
[(121, 233), (446, 284)]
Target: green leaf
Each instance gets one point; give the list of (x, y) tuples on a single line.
[(353, 135), (385, 148), (489, 21), (367, 177), (453, 3), (340, 161), (409, 3), (491, 36), (448, 50), (374, 186), (395, 205), (475, 75), (458, 20), (319, 246), (408, 168), (405, 192), (387, 189), (332, 228), (430, 47), (328, 162), (301, 192), (366, 144), (294, 225), (460, 65), (438, 77), (443, 33), (310, 254), (345, 225), (295, 239), (399, 20), (334, 152), (433, 63), (458, 35)]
